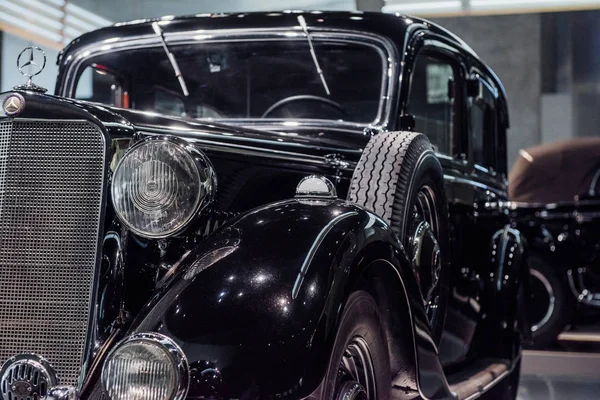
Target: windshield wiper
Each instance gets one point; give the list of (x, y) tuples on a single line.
[(302, 23), (171, 57)]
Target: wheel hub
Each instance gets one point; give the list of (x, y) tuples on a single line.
[(426, 263), (356, 373), (352, 390)]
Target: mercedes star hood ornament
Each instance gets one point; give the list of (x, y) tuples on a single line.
[(31, 62)]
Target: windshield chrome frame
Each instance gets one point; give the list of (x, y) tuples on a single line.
[(74, 62)]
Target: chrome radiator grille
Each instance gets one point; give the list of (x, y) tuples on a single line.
[(51, 184)]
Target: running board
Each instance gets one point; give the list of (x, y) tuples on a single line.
[(479, 380), (593, 337)]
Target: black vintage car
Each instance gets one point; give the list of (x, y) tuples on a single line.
[(239, 207), (555, 189)]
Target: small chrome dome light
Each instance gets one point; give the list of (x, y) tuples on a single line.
[(146, 366), (316, 186)]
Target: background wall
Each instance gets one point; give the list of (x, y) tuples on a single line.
[(510, 45), (119, 10), (9, 74)]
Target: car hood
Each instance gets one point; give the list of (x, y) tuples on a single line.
[(313, 140), (284, 135)]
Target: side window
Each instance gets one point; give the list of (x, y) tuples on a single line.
[(483, 126), (431, 100)]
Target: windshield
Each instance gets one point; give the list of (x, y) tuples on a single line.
[(242, 80)]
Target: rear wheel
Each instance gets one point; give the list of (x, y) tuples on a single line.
[(359, 366), (550, 308), (400, 179)]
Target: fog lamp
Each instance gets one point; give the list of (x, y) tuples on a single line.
[(146, 366)]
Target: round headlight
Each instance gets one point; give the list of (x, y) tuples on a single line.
[(159, 185), (146, 366)]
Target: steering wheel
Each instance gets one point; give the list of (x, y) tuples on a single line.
[(304, 97)]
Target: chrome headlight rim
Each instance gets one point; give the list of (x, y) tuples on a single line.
[(176, 355), (202, 166)]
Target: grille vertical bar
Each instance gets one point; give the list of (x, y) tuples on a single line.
[(51, 186)]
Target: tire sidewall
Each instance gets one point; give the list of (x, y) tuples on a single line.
[(563, 304), (427, 170), (360, 318)]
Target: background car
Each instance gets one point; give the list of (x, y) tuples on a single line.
[(556, 194), (344, 255)]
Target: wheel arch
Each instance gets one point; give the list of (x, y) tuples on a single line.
[(262, 298), (381, 280)]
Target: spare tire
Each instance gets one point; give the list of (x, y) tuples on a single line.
[(400, 179)]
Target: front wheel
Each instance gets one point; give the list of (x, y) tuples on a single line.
[(400, 178), (359, 367)]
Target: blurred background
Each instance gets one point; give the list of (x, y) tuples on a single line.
[(546, 52)]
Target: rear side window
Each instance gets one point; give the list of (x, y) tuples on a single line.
[(431, 101), (483, 126)]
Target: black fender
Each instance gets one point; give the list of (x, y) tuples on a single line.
[(255, 308), (508, 276)]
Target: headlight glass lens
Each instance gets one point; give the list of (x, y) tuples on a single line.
[(142, 369), (158, 187)]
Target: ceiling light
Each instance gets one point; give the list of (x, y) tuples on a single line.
[(423, 6)]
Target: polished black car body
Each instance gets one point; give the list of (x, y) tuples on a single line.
[(254, 289)]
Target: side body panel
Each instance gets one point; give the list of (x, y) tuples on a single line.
[(475, 227)]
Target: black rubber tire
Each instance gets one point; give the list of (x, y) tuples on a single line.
[(563, 303), (361, 318), (386, 181)]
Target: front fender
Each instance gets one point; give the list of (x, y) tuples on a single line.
[(255, 308)]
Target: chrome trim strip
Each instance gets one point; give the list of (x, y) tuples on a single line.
[(313, 249), (274, 124), (383, 45), (553, 206), (471, 182)]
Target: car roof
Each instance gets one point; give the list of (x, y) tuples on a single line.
[(394, 27)]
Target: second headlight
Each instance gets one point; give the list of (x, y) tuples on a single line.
[(146, 366), (159, 185)]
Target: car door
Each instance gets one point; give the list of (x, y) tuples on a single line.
[(437, 103)]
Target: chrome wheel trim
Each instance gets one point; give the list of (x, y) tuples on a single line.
[(351, 390), (425, 250), (356, 373), (551, 299)]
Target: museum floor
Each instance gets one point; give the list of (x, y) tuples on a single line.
[(571, 371), (535, 387)]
